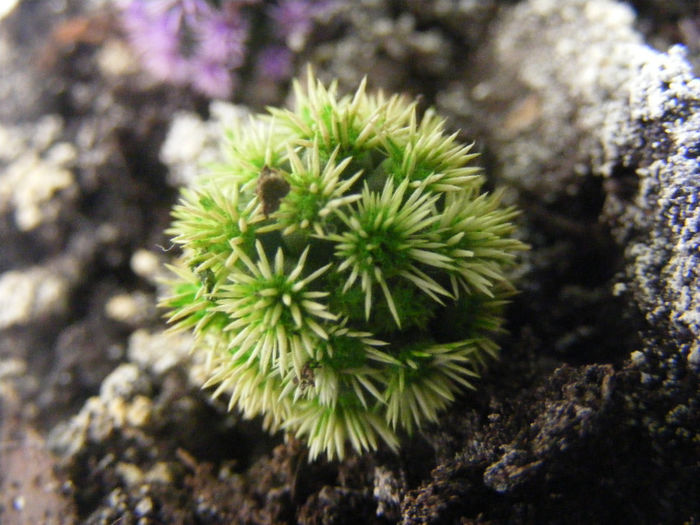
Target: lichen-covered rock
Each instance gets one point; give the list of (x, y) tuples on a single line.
[(146, 350), (566, 62), (36, 179), (130, 448), (31, 295), (654, 135), (122, 404), (382, 43), (595, 99), (192, 143)]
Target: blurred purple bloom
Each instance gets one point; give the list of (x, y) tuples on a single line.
[(188, 41), (220, 41), (276, 63), (293, 20), (213, 79)]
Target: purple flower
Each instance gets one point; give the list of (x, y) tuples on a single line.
[(221, 40), (293, 21), (188, 41), (213, 79), (275, 62)]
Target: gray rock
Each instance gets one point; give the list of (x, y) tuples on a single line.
[(589, 97), (36, 178), (658, 140), (382, 44), (31, 295)]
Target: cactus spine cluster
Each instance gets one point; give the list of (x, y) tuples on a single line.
[(343, 269)]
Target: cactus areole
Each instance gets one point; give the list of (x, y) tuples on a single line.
[(342, 268)]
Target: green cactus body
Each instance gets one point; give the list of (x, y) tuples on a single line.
[(342, 270)]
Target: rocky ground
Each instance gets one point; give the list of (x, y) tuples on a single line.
[(587, 111)]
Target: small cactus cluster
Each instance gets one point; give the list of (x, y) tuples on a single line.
[(342, 268)]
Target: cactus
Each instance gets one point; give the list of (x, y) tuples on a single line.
[(342, 269)]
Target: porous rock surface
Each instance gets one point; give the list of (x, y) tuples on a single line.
[(634, 119)]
